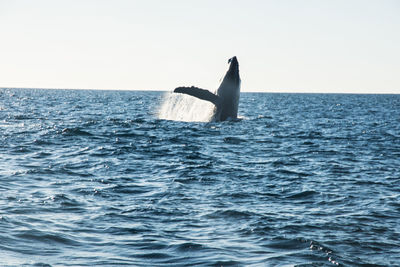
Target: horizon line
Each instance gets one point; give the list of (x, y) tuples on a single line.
[(278, 91)]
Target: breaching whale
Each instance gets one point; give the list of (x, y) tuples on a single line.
[(226, 99)]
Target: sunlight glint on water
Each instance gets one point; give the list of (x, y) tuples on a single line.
[(181, 107)]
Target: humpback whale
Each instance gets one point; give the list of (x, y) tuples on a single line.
[(226, 98)]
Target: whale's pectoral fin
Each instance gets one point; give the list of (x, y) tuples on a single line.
[(199, 93)]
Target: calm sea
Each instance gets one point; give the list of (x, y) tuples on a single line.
[(107, 178)]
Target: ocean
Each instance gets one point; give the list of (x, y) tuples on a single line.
[(140, 178)]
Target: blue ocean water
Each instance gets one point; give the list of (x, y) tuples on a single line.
[(96, 178)]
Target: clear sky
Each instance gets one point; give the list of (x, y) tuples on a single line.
[(282, 45)]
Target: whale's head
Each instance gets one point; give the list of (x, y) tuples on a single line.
[(229, 92), (233, 63), (233, 70)]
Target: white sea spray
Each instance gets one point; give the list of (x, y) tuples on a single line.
[(181, 107)]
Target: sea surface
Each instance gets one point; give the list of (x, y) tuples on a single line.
[(111, 178)]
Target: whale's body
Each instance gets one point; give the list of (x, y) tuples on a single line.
[(226, 99)]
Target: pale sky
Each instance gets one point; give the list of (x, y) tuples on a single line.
[(282, 46)]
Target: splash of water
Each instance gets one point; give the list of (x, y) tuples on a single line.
[(181, 107)]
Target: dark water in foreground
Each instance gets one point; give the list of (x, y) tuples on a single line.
[(91, 178)]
